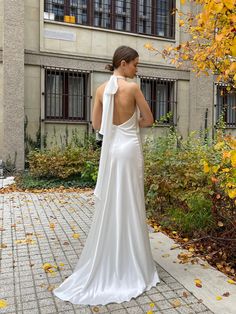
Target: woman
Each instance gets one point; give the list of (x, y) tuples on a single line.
[(116, 263)]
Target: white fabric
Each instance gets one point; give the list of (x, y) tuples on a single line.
[(116, 263)]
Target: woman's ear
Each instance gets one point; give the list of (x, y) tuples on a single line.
[(123, 63)]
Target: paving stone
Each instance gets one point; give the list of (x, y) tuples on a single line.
[(33, 213)]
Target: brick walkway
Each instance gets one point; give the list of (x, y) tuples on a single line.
[(46, 223)]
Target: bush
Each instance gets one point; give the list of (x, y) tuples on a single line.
[(174, 172), (197, 217), (66, 163)]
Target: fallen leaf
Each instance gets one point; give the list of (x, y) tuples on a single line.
[(3, 303), (175, 303), (232, 282), (185, 294), (52, 225), (166, 255), (198, 283), (76, 236), (95, 309), (218, 298), (226, 294)]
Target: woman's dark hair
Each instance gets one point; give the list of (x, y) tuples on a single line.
[(122, 53)]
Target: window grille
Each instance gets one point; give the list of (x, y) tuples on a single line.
[(150, 17), (225, 104), (66, 94), (161, 97)]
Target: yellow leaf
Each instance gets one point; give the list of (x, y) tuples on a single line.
[(233, 158), (149, 46), (218, 298), (182, 2), (233, 48), (181, 23), (215, 168), (232, 193), (76, 236), (218, 7), (152, 304), (219, 37), (3, 304), (233, 67), (206, 167), (149, 312), (229, 4), (52, 225), (198, 283), (231, 281)]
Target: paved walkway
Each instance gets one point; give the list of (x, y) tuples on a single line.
[(39, 228)]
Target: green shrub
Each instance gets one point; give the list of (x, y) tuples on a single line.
[(174, 171), (58, 163), (198, 217)]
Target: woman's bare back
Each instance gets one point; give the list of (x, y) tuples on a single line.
[(124, 102)]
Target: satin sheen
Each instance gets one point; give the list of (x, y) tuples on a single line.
[(116, 263)]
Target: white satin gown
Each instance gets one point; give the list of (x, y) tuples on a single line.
[(116, 263)]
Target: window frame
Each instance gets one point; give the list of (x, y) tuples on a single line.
[(221, 86), (171, 85), (64, 115), (169, 26)]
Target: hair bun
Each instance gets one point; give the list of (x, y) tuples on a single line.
[(109, 67)]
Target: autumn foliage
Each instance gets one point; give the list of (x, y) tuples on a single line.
[(211, 47)]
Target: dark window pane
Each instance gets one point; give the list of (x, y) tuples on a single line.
[(123, 15), (226, 105), (159, 95), (66, 94), (102, 13)]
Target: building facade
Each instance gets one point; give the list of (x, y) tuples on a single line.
[(53, 55)]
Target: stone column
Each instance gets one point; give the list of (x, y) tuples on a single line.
[(13, 82)]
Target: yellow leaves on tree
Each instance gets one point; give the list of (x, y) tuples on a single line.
[(212, 44)]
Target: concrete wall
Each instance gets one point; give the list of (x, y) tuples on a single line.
[(32, 99), (1, 23), (32, 24), (1, 111), (13, 81)]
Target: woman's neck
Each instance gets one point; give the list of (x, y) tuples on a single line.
[(116, 73)]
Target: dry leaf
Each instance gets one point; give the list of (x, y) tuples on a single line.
[(3, 303), (76, 236), (166, 255), (175, 303), (198, 283), (226, 294), (232, 282), (185, 294), (218, 298)]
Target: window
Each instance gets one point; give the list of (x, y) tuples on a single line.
[(160, 95), (226, 105), (151, 17), (66, 94)]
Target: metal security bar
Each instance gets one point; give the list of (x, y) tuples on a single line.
[(150, 17), (161, 97), (225, 104), (67, 94)]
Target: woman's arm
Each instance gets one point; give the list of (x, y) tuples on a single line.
[(97, 110), (147, 117)]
